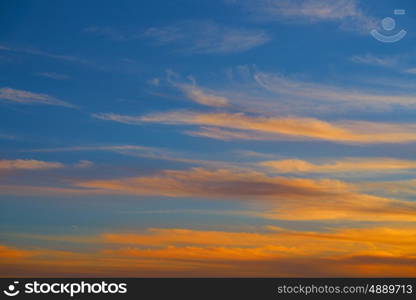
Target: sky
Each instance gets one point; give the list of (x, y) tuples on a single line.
[(225, 138)]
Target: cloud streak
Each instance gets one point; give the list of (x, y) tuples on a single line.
[(288, 198), (194, 93), (25, 97), (341, 96), (344, 12), (229, 135), (28, 164), (208, 37), (394, 188), (37, 52), (182, 252), (205, 98), (52, 75), (356, 132), (377, 165), (136, 151)]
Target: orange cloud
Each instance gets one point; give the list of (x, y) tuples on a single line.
[(203, 97), (13, 253), (286, 198), (364, 165), (274, 197), (394, 241), (28, 164), (279, 252), (31, 190), (219, 183), (185, 252), (284, 127)]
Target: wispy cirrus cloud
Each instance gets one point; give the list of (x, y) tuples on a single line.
[(207, 37), (141, 151), (403, 62), (130, 150), (356, 132), (287, 198), (271, 197), (33, 164), (394, 188), (411, 71), (46, 190), (84, 164), (251, 90), (346, 13), (203, 37), (379, 165), (229, 135), (373, 60), (203, 97), (52, 75), (28, 164), (195, 93), (342, 96), (38, 52), (25, 97)]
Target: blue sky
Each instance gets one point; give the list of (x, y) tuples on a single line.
[(227, 116)]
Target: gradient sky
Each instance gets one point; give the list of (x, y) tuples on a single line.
[(207, 138)]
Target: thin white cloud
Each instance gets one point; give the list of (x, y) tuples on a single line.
[(52, 75), (25, 97), (165, 35), (411, 71), (373, 60), (192, 36), (84, 164), (113, 148), (37, 52), (346, 13), (208, 37), (250, 90), (135, 151), (341, 96), (402, 63)]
